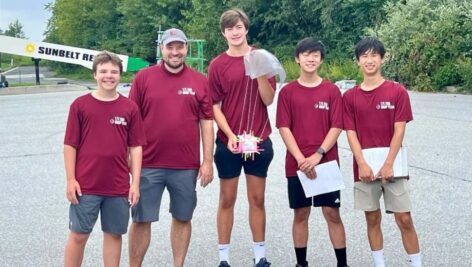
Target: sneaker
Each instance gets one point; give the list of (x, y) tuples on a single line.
[(262, 263), (300, 265), (224, 264)]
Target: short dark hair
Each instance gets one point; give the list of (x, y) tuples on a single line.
[(230, 17), (105, 57), (309, 44), (369, 44)]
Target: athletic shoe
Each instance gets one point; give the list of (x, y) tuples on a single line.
[(262, 263), (300, 265), (224, 264)]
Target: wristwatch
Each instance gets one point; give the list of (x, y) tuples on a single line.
[(321, 151)]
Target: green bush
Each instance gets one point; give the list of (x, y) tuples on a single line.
[(421, 35), (465, 70), (340, 69), (284, 53), (291, 69), (333, 70), (446, 75), (422, 83)]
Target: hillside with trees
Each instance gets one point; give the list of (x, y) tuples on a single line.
[(428, 41)]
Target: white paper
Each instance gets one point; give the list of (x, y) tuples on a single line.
[(328, 179), (375, 158)]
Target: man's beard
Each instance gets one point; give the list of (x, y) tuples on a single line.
[(174, 66)]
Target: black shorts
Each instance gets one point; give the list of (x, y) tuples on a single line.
[(297, 199), (229, 165)]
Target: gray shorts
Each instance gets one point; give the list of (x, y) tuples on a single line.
[(181, 186), (114, 214), (396, 196)]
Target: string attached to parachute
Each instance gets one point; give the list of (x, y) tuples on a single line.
[(257, 63)]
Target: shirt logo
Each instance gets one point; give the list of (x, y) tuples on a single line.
[(186, 91), (118, 121), (385, 105), (322, 105)]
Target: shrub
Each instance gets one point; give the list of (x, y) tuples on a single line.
[(291, 69), (422, 83), (421, 35), (465, 70), (446, 75), (284, 53), (340, 69), (333, 70)]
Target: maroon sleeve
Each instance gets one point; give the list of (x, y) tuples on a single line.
[(136, 136), (215, 89), (72, 135), (205, 104), (134, 93), (402, 106), (283, 116), (348, 110), (336, 114)]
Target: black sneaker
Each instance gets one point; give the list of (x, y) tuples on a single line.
[(302, 265), (262, 263), (224, 264)]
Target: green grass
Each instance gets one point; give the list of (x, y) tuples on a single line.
[(86, 75), (20, 84)]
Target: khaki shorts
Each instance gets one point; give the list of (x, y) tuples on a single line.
[(396, 196)]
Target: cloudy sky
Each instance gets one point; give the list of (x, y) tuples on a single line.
[(30, 13)]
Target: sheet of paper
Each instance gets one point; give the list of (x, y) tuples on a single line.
[(328, 179), (375, 158)]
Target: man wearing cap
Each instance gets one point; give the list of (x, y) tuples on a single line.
[(175, 105)]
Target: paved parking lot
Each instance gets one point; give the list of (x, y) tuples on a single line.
[(34, 210)]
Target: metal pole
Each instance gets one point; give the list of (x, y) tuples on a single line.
[(158, 41), (36, 68)]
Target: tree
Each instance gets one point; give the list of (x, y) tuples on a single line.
[(15, 29), (85, 23), (427, 41), (141, 22), (338, 23), (202, 22)]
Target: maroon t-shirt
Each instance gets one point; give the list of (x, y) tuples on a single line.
[(372, 114), (171, 106), (239, 95), (102, 131), (309, 113)]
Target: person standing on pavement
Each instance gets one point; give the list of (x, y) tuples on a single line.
[(309, 118), (375, 116), (240, 108), (175, 106), (104, 129)]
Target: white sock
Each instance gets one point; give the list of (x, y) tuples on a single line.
[(259, 251), (378, 257), (415, 260), (223, 251)]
